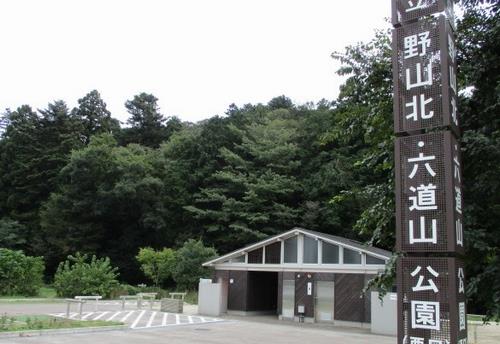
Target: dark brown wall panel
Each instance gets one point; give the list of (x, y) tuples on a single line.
[(279, 293), (301, 297), (273, 253), (367, 297), (237, 298), (349, 303), (224, 274), (324, 277)]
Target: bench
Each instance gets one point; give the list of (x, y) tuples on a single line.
[(96, 298), (175, 295), (150, 296), (130, 297), (68, 306)]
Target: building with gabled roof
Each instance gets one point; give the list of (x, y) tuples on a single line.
[(301, 275)]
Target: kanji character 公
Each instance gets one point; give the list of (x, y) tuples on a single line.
[(431, 286)]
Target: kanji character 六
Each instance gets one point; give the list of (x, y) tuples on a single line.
[(456, 165), (420, 158)]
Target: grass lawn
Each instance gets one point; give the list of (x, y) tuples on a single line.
[(45, 294), (45, 322)]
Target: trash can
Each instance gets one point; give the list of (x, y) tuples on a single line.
[(171, 305)]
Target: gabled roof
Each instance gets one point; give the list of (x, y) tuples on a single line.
[(348, 243)]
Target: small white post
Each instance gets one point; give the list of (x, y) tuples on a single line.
[(320, 252), (282, 253)]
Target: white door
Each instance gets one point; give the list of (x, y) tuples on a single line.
[(288, 300), (324, 301)]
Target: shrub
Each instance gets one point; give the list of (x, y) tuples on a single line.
[(188, 270), (79, 275), (156, 265), (20, 274)]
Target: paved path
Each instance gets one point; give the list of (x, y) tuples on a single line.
[(228, 332), (141, 319)]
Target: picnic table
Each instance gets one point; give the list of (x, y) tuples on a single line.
[(96, 298), (68, 306)]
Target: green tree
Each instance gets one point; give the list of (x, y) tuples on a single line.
[(82, 275), (95, 117), (254, 194), (478, 35), (156, 265), (20, 274), (33, 150), (188, 264), (109, 202), (146, 121), (12, 234)]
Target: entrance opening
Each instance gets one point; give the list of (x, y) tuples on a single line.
[(262, 292)]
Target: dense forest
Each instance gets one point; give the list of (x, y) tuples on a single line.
[(78, 180)]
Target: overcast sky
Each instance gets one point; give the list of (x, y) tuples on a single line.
[(196, 56)]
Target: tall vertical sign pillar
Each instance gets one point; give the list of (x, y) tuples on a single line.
[(430, 275)]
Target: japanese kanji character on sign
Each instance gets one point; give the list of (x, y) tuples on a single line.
[(421, 158), (423, 78), (461, 277), (414, 5), (425, 198), (430, 286), (462, 319), (425, 315), (416, 45), (415, 105), (423, 238)]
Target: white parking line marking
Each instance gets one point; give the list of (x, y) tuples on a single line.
[(164, 320), (151, 318), (72, 315), (101, 315), (177, 320), (190, 319), (87, 315), (113, 316), (126, 316), (137, 319)]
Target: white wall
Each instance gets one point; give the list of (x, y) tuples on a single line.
[(384, 315)]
